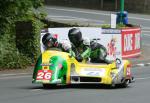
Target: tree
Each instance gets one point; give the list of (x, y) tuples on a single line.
[(12, 11)]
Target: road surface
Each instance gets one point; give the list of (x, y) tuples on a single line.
[(17, 87)]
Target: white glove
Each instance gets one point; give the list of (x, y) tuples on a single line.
[(86, 41), (66, 45)]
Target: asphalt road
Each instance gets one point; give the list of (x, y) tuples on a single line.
[(94, 17), (17, 88)]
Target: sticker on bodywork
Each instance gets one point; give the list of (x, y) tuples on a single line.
[(44, 75), (93, 72)]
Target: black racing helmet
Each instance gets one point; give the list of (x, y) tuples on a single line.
[(48, 40), (75, 35)]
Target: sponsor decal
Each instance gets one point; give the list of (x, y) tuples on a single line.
[(93, 71), (44, 31), (44, 75), (111, 31), (112, 47), (46, 64)]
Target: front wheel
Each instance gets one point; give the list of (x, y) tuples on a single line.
[(49, 86)]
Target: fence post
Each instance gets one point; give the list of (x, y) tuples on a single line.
[(102, 4), (121, 10)]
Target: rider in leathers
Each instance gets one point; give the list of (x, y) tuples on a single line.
[(98, 53), (80, 46), (84, 49)]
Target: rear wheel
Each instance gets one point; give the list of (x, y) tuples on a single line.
[(125, 84), (113, 85)]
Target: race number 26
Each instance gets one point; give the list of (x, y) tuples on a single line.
[(44, 75)]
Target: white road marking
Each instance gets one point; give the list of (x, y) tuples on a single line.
[(145, 30), (141, 64), (64, 17), (81, 11), (145, 44), (142, 78), (69, 18), (14, 74), (78, 11), (138, 18), (147, 63), (87, 20), (34, 90), (14, 77), (146, 34), (144, 27), (54, 16)]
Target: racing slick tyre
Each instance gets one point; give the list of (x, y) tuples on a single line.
[(48, 86), (125, 84), (113, 85)]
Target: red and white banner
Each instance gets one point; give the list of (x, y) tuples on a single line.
[(131, 42)]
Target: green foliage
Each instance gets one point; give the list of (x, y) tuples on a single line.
[(12, 11), (13, 59), (10, 57), (121, 25), (118, 26), (105, 26)]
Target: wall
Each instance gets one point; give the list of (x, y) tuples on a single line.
[(137, 6), (92, 4)]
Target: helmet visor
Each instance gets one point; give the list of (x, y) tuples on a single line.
[(74, 39), (50, 43)]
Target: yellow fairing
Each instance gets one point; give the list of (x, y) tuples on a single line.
[(104, 72)]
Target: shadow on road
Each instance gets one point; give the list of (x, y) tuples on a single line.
[(77, 86), (95, 86)]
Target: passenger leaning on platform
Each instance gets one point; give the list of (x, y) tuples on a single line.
[(51, 41)]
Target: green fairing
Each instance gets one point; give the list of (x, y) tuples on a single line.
[(59, 68), (37, 67), (58, 65)]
